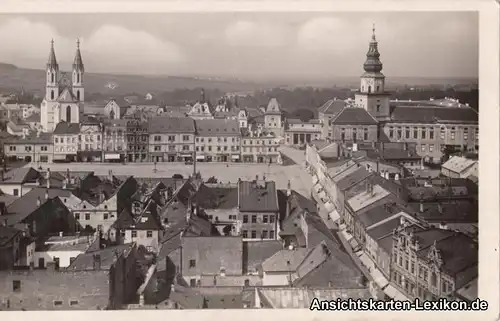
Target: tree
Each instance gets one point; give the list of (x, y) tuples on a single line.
[(227, 230), (303, 114)]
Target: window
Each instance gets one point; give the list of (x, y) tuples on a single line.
[(245, 218), (73, 302), (264, 219), (423, 132), (185, 137), (423, 147), (354, 136), (77, 216), (244, 234), (271, 219), (171, 138), (192, 264), (271, 234), (149, 234), (442, 132), (452, 132), (16, 286), (400, 261), (264, 234), (57, 303), (192, 282), (407, 132), (27, 148), (185, 147), (425, 275), (399, 134), (433, 279), (365, 134), (254, 218), (391, 132), (342, 133), (16, 192), (254, 234), (87, 216), (412, 267), (466, 133), (415, 133), (105, 216), (431, 147), (431, 133), (406, 265), (378, 108), (134, 233), (157, 138)]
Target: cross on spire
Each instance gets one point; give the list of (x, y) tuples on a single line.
[(373, 31)]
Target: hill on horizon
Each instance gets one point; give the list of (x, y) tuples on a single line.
[(12, 78)]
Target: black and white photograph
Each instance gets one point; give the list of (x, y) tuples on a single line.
[(239, 160)]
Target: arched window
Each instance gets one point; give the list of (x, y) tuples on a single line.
[(51, 94), (78, 95), (77, 77), (378, 88), (52, 77), (369, 89), (68, 114)]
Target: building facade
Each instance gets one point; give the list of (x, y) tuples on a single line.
[(137, 141), (66, 143), (33, 148), (171, 139), (115, 140), (217, 140), (298, 132)]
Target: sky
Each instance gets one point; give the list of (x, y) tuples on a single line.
[(247, 45)]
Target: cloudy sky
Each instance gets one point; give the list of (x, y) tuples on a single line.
[(247, 45)]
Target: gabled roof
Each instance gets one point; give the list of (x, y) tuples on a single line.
[(216, 197), (7, 234), (354, 116), (217, 127), (255, 253), (332, 107), (108, 257), (64, 128), (67, 96), (273, 107), (20, 176)]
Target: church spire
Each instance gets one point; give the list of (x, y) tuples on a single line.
[(78, 62), (373, 63), (52, 62)]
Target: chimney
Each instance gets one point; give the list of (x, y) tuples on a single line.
[(422, 164), (61, 234), (47, 175), (396, 177), (32, 265), (110, 174), (421, 206), (67, 174), (102, 197), (257, 178), (65, 183), (38, 201), (46, 194), (97, 261), (289, 189), (440, 208)]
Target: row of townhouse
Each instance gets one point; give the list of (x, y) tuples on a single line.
[(162, 139), (412, 249)]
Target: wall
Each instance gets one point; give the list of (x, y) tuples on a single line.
[(9, 189), (151, 243), (360, 130), (41, 288), (276, 278), (48, 256)]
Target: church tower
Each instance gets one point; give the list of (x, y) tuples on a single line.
[(77, 74), (372, 95), (52, 81)]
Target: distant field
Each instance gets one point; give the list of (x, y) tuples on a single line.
[(34, 80)]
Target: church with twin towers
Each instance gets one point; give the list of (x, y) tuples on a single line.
[(64, 94)]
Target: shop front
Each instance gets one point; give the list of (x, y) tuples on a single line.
[(89, 156), (235, 158), (113, 157)]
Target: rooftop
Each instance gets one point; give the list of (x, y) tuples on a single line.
[(255, 253), (108, 257), (458, 164), (34, 138), (217, 127), (332, 107), (354, 116), (64, 128), (366, 198), (20, 175), (419, 114), (257, 196), (215, 197), (166, 125)]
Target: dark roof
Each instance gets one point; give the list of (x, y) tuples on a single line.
[(227, 301), (28, 202), (254, 253), (93, 187), (215, 197), (384, 229), (378, 214), (20, 176), (417, 114), (465, 211), (258, 196), (359, 175), (298, 205), (332, 107), (64, 128), (7, 233), (145, 221), (108, 256), (33, 138), (458, 252), (354, 116), (166, 125), (217, 127), (212, 253)]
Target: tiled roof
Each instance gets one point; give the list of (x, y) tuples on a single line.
[(458, 164), (448, 211), (332, 107), (365, 198), (64, 128), (416, 114), (257, 197), (378, 214), (172, 125), (301, 298), (20, 176), (108, 256), (228, 301), (67, 96), (145, 221), (215, 197), (354, 116), (384, 229), (273, 107), (458, 252), (255, 253), (285, 260), (34, 138), (212, 254), (360, 174), (217, 127)]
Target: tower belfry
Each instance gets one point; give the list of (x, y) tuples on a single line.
[(372, 95)]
